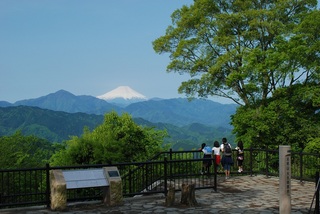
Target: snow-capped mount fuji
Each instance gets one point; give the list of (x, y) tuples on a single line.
[(124, 92), (123, 95)]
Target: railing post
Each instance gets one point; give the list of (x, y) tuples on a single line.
[(267, 162), (251, 160), (170, 163), (48, 185), (301, 163), (215, 174), (165, 162), (130, 180), (146, 176)]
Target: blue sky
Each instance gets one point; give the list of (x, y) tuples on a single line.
[(84, 47)]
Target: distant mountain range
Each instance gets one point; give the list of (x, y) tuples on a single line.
[(177, 111), (65, 101), (59, 115)]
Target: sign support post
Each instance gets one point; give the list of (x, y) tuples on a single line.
[(284, 180)]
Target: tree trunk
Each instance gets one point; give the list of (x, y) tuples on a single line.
[(188, 195)]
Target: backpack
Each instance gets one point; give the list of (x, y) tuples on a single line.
[(227, 149)]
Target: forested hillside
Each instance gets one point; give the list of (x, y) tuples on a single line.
[(54, 126), (57, 126)]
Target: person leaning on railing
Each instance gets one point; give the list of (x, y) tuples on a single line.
[(207, 155)]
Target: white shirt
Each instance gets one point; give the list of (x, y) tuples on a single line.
[(216, 150)]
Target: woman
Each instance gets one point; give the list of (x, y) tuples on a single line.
[(240, 156), (226, 160)]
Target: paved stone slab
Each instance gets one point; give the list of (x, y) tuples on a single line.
[(239, 194)]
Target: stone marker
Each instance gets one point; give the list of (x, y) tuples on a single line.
[(58, 190), (284, 179), (114, 192)]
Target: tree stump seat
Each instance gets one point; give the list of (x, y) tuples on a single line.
[(188, 196)]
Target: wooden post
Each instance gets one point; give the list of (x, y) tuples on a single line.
[(188, 195), (170, 198)]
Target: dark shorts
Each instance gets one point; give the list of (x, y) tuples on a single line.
[(207, 160), (240, 160), (226, 160)]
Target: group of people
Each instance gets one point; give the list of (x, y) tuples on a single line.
[(223, 156)]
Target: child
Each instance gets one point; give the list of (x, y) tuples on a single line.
[(216, 152), (207, 155), (240, 156)]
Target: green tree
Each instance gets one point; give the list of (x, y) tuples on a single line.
[(118, 139), (248, 51), (313, 146), (18, 151), (290, 117), (242, 50)]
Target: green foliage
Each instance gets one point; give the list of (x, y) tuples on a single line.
[(243, 50), (290, 117), (263, 55), (18, 151), (313, 146), (117, 139)]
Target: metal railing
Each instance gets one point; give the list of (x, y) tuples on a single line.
[(25, 187)]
